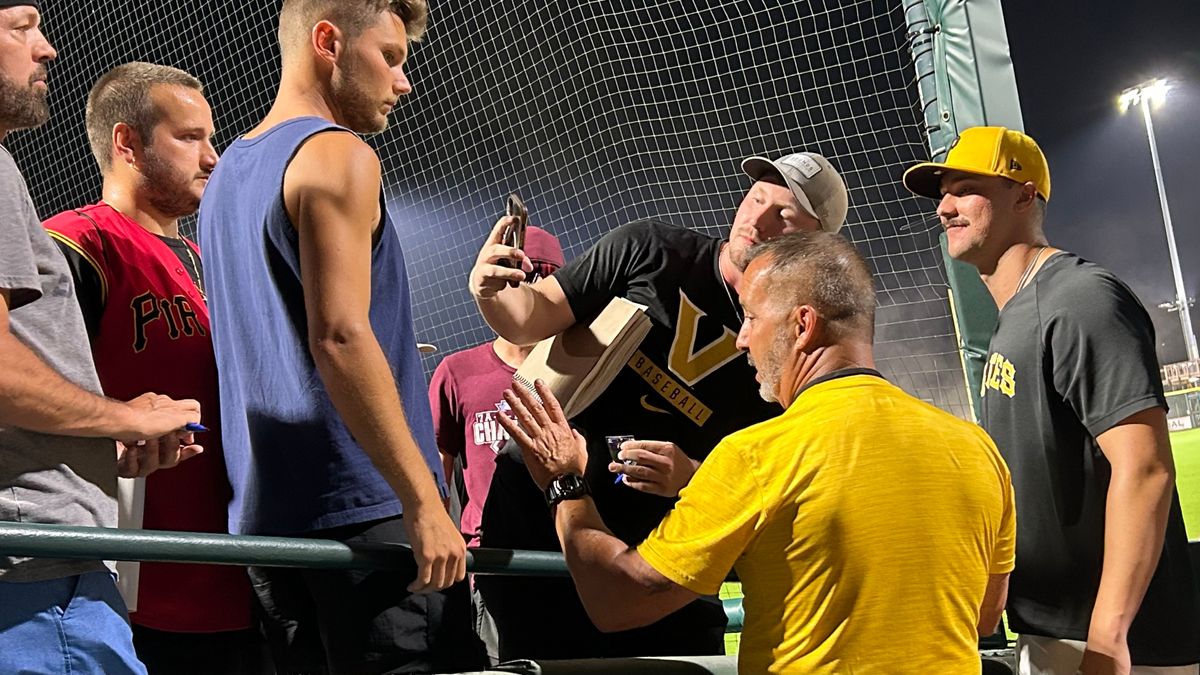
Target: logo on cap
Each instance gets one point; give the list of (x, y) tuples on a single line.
[(807, 165)]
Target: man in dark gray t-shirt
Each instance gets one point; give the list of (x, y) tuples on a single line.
[(62, 444), (1073, 398)]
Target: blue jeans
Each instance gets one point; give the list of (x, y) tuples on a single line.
[(70, 625)]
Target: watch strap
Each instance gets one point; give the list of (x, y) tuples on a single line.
[(566, 486)]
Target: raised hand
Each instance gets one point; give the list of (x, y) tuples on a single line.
[(549, 445), (488, 276)]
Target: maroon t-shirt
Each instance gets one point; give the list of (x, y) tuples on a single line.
[(465, 396)]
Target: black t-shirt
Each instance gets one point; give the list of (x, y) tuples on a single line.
[(688, 383), (1072, 356)]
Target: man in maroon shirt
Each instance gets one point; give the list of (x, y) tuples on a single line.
[(465, 395)]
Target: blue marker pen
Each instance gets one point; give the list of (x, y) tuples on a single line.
[(193, 427)]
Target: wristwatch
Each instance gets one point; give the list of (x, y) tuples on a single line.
[(566, 486)]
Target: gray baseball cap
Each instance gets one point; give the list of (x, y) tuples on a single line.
[(814, 181)]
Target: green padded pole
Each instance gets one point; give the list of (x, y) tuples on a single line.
[(975, 315), (98, 543), (964, 79), (735, 613)]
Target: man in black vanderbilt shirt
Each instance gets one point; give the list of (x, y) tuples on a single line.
[(682, 391)]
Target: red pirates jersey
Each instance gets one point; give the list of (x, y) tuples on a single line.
[(151, 333)]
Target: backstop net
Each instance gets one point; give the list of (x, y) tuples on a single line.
[(597, 113)]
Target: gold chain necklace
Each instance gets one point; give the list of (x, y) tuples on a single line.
[(197, 280), (1028, 269), (737, 310)]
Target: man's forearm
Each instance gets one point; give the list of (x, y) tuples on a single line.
[(34, 396), (591, 551), (608, 574), (528, 313), (1138, 503), (360, 384), (509, 312)]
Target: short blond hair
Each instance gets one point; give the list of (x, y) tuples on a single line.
[(297, 17), (123, 94)]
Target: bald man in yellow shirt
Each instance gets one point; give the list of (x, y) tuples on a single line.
[(858, 509)]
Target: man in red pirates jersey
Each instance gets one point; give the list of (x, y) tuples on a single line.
[(141, 289)]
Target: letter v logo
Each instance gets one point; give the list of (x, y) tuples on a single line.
[(690, 365)]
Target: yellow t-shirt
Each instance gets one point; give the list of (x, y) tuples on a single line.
[(863, 524)]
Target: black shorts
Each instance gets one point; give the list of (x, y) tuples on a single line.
[(238, 652), (364, 621)]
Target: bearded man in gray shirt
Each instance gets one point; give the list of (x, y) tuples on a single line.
[(62, 443)]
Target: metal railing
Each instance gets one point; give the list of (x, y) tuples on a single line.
[(100, 543)]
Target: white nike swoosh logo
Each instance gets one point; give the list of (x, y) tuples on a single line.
[(647, 406)]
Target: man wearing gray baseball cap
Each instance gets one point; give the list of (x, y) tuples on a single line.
[(686, 387), (812, 180)]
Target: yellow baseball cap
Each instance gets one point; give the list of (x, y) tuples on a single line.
[(984, 151)]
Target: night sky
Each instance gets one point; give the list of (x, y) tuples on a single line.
[(1072, 60)]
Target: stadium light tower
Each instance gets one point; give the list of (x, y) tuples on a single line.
[(1143, 95)]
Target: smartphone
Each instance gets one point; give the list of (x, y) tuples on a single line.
[(614, 445), (514, 236)]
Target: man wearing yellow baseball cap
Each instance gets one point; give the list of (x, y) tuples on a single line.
[(1072, 396)]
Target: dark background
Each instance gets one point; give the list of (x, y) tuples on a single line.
[(597, 113), (600, 114), (1072, 60)]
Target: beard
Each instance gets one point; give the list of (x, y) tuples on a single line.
[(739, 251), (168, 189), (770, 369), (737, 255), (359, 108), (22, 106)]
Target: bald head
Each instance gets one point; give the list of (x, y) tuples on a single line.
[(823, 270), (297, 18)]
